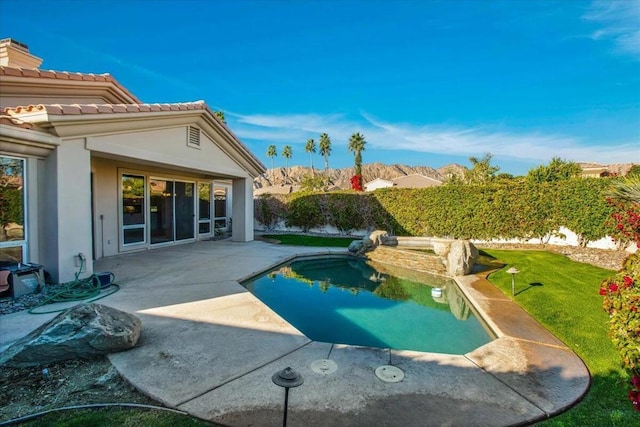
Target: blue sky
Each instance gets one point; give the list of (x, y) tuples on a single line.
[(426, 82)]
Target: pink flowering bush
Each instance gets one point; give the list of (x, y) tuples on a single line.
[(622, 302), (625, 221)]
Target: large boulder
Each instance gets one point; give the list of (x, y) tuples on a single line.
[(461, 257), (377, 238), (355, 247), (83, 331)]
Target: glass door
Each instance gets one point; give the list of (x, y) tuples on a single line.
[(204, 208), (133, 214), (184, 210), (161, 210)]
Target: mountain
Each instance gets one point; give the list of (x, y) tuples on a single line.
[(341, 177)]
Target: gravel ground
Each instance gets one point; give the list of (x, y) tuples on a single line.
[(25, 391)]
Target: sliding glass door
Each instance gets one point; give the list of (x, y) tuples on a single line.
[(184, 210), (161, 210), (158, 210), (172, 210)]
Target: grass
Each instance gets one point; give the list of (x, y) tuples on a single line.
[(116, 417), (301, 240), (563, 296)]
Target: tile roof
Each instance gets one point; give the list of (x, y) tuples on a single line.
[(12, 121), (63, 75), (72, 109), (87, 109), (415, 181)]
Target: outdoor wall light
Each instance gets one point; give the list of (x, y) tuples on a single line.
[(287, 378), (513, 271)]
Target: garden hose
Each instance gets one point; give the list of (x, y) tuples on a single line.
[(88, 289)]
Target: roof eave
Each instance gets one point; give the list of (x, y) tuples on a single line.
[(82, 125)]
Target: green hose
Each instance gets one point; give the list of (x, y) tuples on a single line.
[(87, 289)]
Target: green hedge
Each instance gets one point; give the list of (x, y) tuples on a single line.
[(512, 209)]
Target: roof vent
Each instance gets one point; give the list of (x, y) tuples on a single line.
[(194, 136)]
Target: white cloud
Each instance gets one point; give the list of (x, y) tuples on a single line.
[(620, 21), (435, 139)]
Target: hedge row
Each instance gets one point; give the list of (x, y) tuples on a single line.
[(507, 210)]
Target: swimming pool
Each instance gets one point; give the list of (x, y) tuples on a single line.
[(345, 300)]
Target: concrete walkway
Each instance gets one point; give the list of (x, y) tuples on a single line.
[(209, 347)]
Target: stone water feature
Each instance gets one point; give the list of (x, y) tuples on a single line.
[(447, 257)]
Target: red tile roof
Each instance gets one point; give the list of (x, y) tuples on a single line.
[(82, 109), (63, 75), (12, 121), (70, 109)]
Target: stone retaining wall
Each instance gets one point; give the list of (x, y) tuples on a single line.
[(411, 259)]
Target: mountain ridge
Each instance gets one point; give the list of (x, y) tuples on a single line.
[(341, 177)]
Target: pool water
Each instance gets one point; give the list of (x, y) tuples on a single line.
[(345, 300)]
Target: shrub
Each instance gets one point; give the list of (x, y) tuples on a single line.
[(622, 302)]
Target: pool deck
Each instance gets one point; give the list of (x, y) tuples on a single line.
[(209, 347)]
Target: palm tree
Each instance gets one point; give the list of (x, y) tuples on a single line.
[(356, 146), (286, 153), (325, 150), (271, 153), (220, 116), (311, 149)]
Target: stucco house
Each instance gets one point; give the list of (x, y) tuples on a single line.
[(87, 168), (405, 181), (377, 183), (596, 170)]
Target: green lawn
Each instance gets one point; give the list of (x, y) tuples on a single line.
[(300, 240), (563, 296)]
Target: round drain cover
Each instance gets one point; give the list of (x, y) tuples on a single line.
[(324, 366), (389, 374)]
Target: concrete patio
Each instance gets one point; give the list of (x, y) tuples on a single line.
[(209, 347)]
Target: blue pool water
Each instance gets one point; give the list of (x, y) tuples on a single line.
[(345, 300)]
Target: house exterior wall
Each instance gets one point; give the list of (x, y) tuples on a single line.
[(35, 209), (106, 200), (168, 147), (67, 225), (105, 206), (166, 154), (242, 210), (377, 183)]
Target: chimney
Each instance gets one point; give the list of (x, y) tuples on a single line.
[(15, 54)]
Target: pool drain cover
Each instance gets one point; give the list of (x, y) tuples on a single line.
[(324, 366), (389, 374)]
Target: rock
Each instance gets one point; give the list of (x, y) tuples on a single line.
[(106, 379), (83, 331), (355, 246), (461, 257), (379, 237)]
